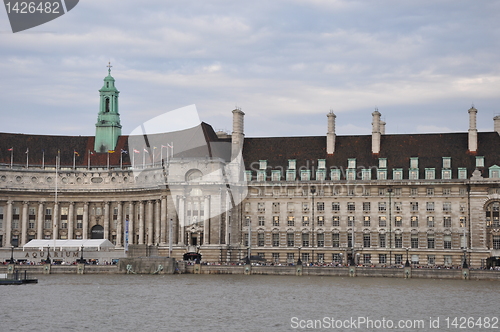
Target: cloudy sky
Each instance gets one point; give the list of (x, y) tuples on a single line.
[(284, 63)]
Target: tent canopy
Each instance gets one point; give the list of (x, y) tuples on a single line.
[(69, 244)]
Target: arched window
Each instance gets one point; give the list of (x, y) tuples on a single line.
[(492, 214), (194, 175), (107, 105)]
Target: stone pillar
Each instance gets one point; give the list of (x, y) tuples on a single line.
[(376, 132), (238, 133), (330, 135), (8, 225), (206, 222), (156, 238), (55, 226), (382, 127), (106, 220), (119, 223), (71, 220), (85, 225), (24, 225), (131, 218), (40, 219), (150, 230), (228, 214), (182, 214), (472, 129), (141, 222), (163, 220)]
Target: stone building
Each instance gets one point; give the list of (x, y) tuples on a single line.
[(370, 199)]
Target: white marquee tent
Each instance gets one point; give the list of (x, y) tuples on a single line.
[(69, 244)]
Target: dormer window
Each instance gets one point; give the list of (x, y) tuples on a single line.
[(480, 161), (321, 163), (335, 174), (382, 162), (462, 173), (275, 175), (414, 162), (430, 174), (262, 164), (292, 164), (397, 174), (446, 162), (494, 172), (351, 163)]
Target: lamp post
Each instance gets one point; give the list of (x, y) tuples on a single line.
[(407, 263), (47, 261), (313, 191), (389, 190), (299, 261), (465, 265), (12, 255), (341, 261), (81, 256)]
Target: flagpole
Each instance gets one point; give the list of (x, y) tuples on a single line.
[(108, 160), (133, 159), (11, 156), (27, 156), (161, 156), (88, 167), (121, 159), (43, 159), (74, 159)]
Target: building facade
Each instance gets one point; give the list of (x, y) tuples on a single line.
[(368, 199)]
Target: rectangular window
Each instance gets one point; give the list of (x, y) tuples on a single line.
[(414, 241), (382, 258), (430, 191), (447, 222), (247, 221), (276, 221), (447, 206), (448, 260), (305, 207), (261, 176), (335, 221), (276, 257), (321, 240), (367, 258), (397, 174), (260, 239), (382, 191), (413, 191), (292, 164), (291, 221), (414, 206), (263, 164), (335, 174), (321, 258), (261, 207), (446, 191), (335, 240), (430, 206), (413, 174), (320, 206), (305, 175), (431, 259), (430, 174), (446, 174), (381, 240), (480, 161), (305, 239), (446, 162), (321, 221), (335, 206), (398, 221), (496, 242), (336, 258), (398, 259), (415, 259), (351, 163), (366, 221), (430, 242), (398, 206), (276, 239), (398, 241), (321, 163), (366, 174), (414, 221), (366, 206), (382, 221), (351, 206), (276, 207), (305, 221), (351, 174), (349, 240), (290, 239), (382, 162), (447, 242), (430, 221), (350, 221), (463, 222), (321, 175), (366, 241), (462, 173), (305, 257), (290, 257), (262, 221), (414, 162), (246, 238), (248, 176), (382, 206), (382, 174)]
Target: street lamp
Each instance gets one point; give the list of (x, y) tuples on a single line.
[(313, 191), (389, 190), (407, 263), (341, 261), (81, 257), (299, 261), (12, 255), (47, 261), (465, 265)]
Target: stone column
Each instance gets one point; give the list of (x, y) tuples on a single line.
[(141, 223), (131, 223), (24, 225), (206, 221), (85, 229), (106, 220), (163, 220), (8, 225), (40, 218), (182, 219), (150, 230), (71, 220), (156, 238), (55, 221), (119, 223), (228, 214)]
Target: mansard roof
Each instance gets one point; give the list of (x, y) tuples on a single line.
[(398, 149), (193, 142)]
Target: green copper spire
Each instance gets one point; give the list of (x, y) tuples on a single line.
[(107, 128)]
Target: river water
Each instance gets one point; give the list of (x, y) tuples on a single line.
[(246, 303)]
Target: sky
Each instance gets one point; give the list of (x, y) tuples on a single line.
[(286, 64)]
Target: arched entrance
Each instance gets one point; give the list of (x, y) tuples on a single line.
[(97, 232)]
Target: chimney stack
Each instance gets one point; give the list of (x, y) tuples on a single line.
[(496, 121), (376, 132), (238, 133), (472, 130), (382, 127), (330, 135)]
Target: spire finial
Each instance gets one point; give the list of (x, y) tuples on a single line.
[(109, 68)]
